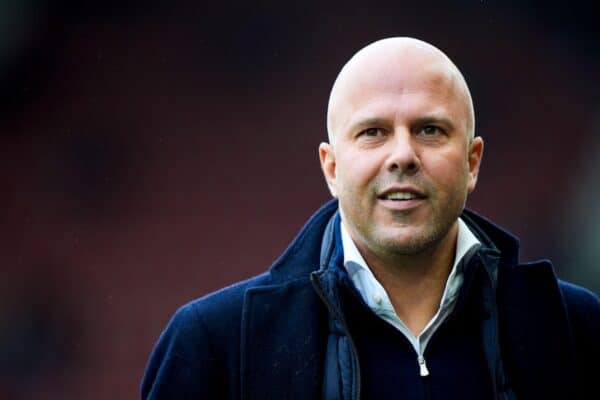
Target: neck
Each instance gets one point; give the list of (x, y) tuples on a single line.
[(415, 283)]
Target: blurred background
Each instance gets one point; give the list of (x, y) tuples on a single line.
[(153, 151)]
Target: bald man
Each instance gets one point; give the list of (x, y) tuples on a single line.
[(393, 289)]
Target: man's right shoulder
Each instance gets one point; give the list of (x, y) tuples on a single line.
[(198, 351), (224, 303)]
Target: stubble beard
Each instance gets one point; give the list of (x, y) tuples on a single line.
[(389, 246), (383, 243)]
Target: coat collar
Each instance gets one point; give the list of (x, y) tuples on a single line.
[(495, 239), (305, 249), (531, 313), (284, 323), (303, 255)]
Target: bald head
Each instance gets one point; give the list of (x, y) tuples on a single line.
[(396, 64)]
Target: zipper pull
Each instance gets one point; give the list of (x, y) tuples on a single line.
[(423, 371)]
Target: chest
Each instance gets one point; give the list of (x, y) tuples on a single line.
[(391, 368)]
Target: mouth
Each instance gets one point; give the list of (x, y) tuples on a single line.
[(402, 199), (401, 195)]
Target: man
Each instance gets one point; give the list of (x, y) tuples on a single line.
[(393, 290)]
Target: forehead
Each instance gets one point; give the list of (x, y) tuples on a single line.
[(389, 91), (389, 78), (395, 70)]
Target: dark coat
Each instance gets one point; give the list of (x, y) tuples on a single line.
[(266, 338)]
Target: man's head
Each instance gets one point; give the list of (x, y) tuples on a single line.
[(402, 155)]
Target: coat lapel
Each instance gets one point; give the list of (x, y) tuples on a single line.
[(282, 342), (537, 344)]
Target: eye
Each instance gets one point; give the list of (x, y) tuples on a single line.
[(371, 132), (431, 130)]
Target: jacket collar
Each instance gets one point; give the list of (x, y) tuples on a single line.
[(303, 255), (495, 239), (531, 316), (306, 250)]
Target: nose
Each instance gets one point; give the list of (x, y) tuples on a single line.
[(403, 157)]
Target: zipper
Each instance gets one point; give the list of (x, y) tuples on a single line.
[(317, 287), (467, 286), (425, 383), (423, 371)]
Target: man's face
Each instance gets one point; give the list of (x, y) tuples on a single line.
[(401, 162)]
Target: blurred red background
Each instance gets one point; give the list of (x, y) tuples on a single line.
[(152, 153)]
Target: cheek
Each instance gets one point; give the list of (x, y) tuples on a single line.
[(450, 172), (356, 170)]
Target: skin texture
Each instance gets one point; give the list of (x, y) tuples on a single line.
[(400, 118)]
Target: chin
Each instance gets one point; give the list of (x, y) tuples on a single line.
[(407, 242)]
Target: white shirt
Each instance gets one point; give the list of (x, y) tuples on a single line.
[(377, 299)]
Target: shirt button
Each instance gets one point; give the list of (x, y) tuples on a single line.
[(377, 298)]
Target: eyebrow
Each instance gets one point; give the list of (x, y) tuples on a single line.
[(434, 119), (369, 122), (423, 120)]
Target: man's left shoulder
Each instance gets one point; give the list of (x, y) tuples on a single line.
[(582, 304)]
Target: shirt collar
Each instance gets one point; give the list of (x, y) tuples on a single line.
[(371, 290)]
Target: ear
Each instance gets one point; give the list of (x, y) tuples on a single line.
[(475, 155), (327, 158)]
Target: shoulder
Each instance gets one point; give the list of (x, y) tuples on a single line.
[(578, 296), (583, 309), (582, 305), (219, 309), (198, 350)]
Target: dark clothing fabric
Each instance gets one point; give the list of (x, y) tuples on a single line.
[(300, 331), (463, 346), (389, 366)]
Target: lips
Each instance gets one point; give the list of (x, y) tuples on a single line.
[(401, 194)]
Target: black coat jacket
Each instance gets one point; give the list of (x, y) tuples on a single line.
[(267, 337)]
